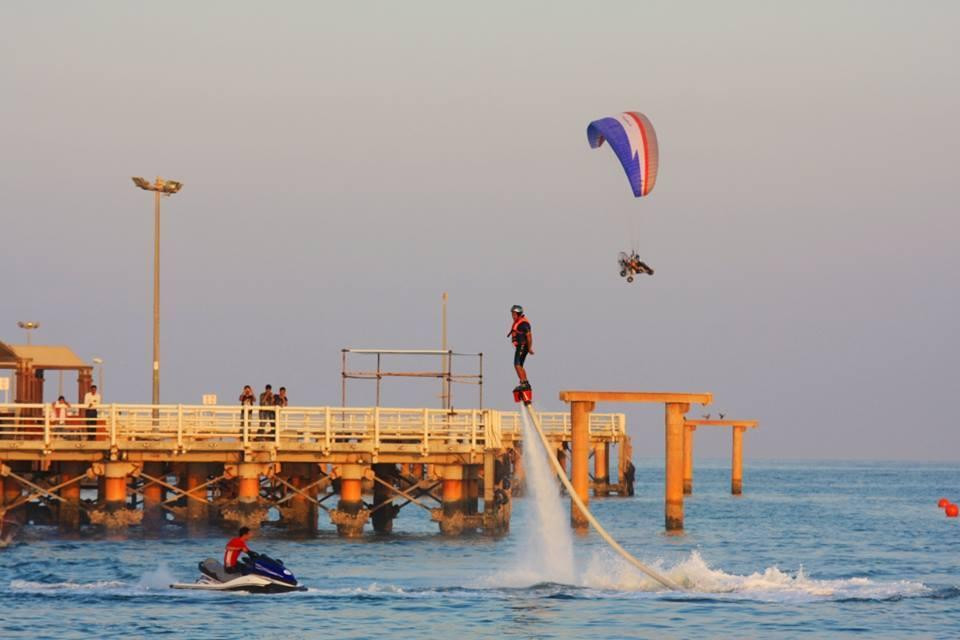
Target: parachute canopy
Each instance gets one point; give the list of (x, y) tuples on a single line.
[(632, 138)]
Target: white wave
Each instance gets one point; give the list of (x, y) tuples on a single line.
[(159, 578), (605, 571), (31, 586)]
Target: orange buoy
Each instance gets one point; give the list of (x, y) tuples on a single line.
[(952, 510), (943, 503)]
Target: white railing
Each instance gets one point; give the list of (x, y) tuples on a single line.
[(325, 429)]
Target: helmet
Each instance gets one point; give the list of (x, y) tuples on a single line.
[(516, 309)]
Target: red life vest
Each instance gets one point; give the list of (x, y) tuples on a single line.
[(513, 330), (235, 547)]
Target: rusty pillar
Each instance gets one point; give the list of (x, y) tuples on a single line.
[(68, 517), (471, 486), (601, 469), (674, 465), (451, 522), (736, 475), (301, 512), (198, 511), (84, 382), (385, 513), (153, 495), (688, 432), (350, 514), (580, 452), (114, 496)]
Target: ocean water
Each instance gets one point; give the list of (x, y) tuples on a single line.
[(812, 549)]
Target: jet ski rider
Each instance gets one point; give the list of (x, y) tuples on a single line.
[(234, 548), (522, 336)]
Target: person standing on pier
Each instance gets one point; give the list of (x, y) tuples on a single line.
[(236, 546), (91, 400), (247, 399), (522, 336), (266, 400)]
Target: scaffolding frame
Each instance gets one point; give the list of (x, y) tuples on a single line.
[(446, 374)]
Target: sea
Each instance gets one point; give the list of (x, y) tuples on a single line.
[(811, 549)]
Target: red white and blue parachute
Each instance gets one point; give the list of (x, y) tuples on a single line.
[(632, 138)]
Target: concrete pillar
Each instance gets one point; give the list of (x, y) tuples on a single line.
[(69, 513), (350, 515), (601, 469), (248, 483), (496, 504), (580, 452), (688, 432), (625, 468), (673, 506), (84, 382), (114, 496), (300, 514), (472, 489), (198, 511), (452, 495), (736, 475), (383, 516), (153, 515)]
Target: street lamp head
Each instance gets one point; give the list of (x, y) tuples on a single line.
[(168, 187), (28, 325), (172, 186), (97, 360)]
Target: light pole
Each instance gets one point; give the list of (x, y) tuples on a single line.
[(168, 188), (28, 327), (99, 363)]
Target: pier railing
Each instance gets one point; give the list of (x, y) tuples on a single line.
[(309, 429)]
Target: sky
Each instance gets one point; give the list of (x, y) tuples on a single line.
[(344, 164)]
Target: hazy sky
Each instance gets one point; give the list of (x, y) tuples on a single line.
[(345, 164)]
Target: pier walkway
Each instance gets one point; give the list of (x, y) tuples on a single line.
[(233, 464)]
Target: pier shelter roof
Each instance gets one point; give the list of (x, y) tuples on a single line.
[(41, 356)]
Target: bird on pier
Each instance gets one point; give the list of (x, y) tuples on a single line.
[(722, 416), (705, 416)]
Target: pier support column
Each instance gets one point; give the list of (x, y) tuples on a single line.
[(112, 512), (350, 514), (153, 515), (69, 513), (11, 493), (300, 514), (626, 472), (451, 515), (385, 511), (248, 510), (198, 511), (688, 432), (601, 469), (674, 465), (579, 468), (471, 486), (496, 501), (736, 474)]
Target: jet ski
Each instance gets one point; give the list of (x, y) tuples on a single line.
[(259, 573)]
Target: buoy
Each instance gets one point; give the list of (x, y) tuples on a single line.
[(952, 510), (943, 503)]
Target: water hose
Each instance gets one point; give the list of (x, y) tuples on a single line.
[(667, 582)]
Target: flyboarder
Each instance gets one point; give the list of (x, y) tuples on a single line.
[(522, 337)]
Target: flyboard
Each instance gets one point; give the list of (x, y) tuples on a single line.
[(665, 581)]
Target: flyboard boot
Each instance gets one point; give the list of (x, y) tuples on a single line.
[(523, 393)]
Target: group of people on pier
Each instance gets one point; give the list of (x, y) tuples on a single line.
[(268, 398)]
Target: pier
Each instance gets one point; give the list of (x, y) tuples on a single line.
[(203, 465)]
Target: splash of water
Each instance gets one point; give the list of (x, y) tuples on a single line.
[(547, 553), (159, 578)]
